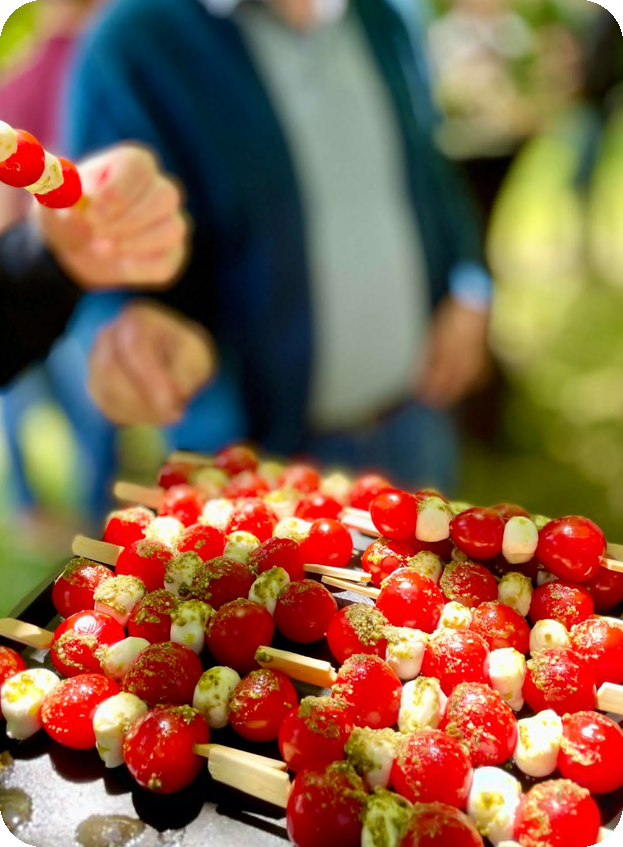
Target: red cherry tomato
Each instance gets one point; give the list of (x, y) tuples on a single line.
[(77, 640), (74, 589), (260, 704), (371, 689), (365, 489), (315, 734), (482, 723), (316, 506), (68, 193), (394, 514), (328, 543), (175, 473), (164, 673), (222, 580), (478, 532), (560, 679), (468, 583), (278, 553), (246, 484), (10, 664), (301, 478), (561, 601), (601, 642), (500, 627), (557, 813), (455, 656), (432, 767), (357, 628), (409, 599), (146, 560), (236, 632), (304, 611), (254, 516), (606, 590), (151, 617), (325, 807), (592, 752), (125, 526), (437, 825), (571, 548), (182, 502), (207, 542), (26, 165), (236, 459), (158, 749), (384, 556), (67, 713), (510, 510)]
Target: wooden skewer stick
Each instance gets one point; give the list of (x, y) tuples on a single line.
[(610, 698), (345, 574), (25, 633), (258, 780), (209, 750), (302, 668), (604, 833), (98, 551), (139, 494), (187, 457), (363, 590)]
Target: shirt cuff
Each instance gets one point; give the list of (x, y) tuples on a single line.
[(472, 286)]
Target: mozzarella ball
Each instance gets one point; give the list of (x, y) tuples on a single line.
[(267, 588), (423, 705), (294, 528), (166, 529), (405, 650), (372, 753), (240, 545), (433, 520), (118, 596), (112, 721), (180, 572), (116, 659), (336, 485), (515, 590), (520, 540), (21, 700), (217, 513), (213, 694), (547, 633), (384, 817), (540, 740), (455, 616), (283, 502), (8, 141), (188, 624), (428, 564), (507, 672), (493, 802)]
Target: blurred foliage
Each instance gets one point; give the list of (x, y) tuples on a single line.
[(17, 33)]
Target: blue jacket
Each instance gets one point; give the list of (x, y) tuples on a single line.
[(168, 73)]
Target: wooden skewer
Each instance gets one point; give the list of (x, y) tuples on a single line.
[(140, 494), (302, 668), (190, 458), (364, 591), (604, 833), (345, 574), (209, 750), (610, 698), (258, 780), (99, 551), (25, 633)]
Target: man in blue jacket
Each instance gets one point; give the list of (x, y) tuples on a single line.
[(336, 264)]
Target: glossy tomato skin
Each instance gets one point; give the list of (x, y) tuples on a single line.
[(278, 553), (482, 723), (151, 617), (456, 656), (394, 514), (385, 556), (592, 752), (510, 510), (77, 640), (74, 589), (126, 526), (438, 825), (561, 601), (26, 165), (328, 543), (469, 583), (182, 502), (255, 516), (67, 712), (371, 690), (432, 767), (357, 628), (146, 560), (500, 627), (571, 548), (606, 590), (68, 193), (158, 749), (365, 489), (175, 473), (316, 506), (236, 459), (560, 679), (304, 611), (325, 808), (207, 542), (301, 478), (559, 813), (315, 734), (478, 532), (10, 664), (246, 484), (164, 674), (260, 704), (236, 632), (601, 642), (221, 580), (409, 599)]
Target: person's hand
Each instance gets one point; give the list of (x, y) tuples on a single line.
[(148, 364), (130, 231), (458, 355)]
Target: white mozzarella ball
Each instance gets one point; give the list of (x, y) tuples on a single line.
[(507, 672), (21, 700), (217, 513), (455, 616), (118, 596), (283, 502), (8, 141), (428, 564), (336, 485), (433, 520), (271, 471), (493, 803), (294, 528), (544, 577), (548, 633), (520, 540), (384, 818), (240, 545), (111, 723), (51, 178), (116, 659), (188, 624), (405, 650), (166, 529), (268, 586), (180, 572), (213, 694), (372, 753), (423, 705), (515, 590), (540, 740), (210, 481)]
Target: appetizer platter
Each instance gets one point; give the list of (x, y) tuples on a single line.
[(254, 652)]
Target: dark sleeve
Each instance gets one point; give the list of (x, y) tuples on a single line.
[(36, 300)]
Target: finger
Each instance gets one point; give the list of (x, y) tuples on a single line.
[(157, 269), (115, 180), (110, 386), (160, 237), (158, 200)]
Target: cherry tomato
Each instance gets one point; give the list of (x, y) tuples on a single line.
[(207, 542), (437, 825), (74, 589), (409, 599), (260, 704), (77, 640), (175, 473), (328, 543), (222, 580), (158, 749), (246, 484), (557, 813), (164, 673), (125, 526), (316, 506), (182, 502), (560, 679), (304, 611), (26, 165), (601, 642), (425, 493), (365, 489), (301, 478), (455, 656), (236, 632), (278, 553), (146, 560), (357, 628), (432, 767), (10, 664), (315, 734), (500, 627), (394, 514), (384, 556), (468, 583), (482, 723), (571, 548), (68, 193), (592, 752), (254, 516), (606, 589), (478, 532), (67, 713), (236, 459), (151, 617), (510, 510), (371, 689), (561, 601)]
